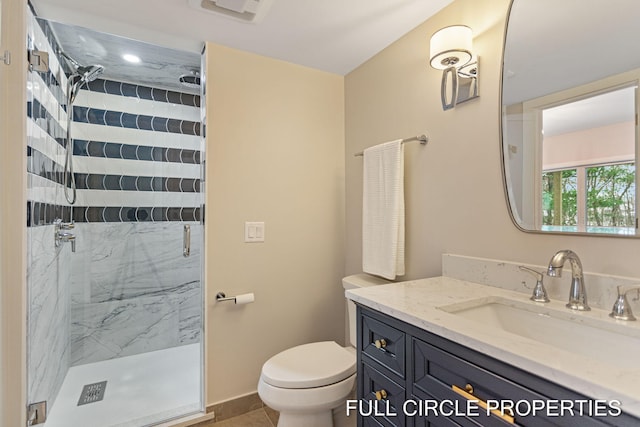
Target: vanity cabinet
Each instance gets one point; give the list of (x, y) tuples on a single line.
[(410, 377)]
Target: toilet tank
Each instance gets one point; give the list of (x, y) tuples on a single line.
[(358, 281)]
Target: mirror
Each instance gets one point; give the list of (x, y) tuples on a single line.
[(570, 79)]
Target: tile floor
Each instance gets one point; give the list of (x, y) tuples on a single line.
[(256, 418), (267, 417)]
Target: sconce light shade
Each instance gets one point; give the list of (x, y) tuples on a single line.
[(451, 46)]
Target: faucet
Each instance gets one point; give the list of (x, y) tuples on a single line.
[(577, 292), (63, 235)]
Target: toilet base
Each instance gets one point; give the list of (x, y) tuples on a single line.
[(311, 407), (317, 419)]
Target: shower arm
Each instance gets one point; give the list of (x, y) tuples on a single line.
[(69, 59)]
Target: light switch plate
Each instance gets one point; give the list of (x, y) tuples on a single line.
[(253, 232)]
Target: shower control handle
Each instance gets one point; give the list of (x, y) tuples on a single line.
[(61, 233), (67, 225)]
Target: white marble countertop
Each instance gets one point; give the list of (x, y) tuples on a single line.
[(416, 302)]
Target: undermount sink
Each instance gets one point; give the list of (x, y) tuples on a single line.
[(591, 335)]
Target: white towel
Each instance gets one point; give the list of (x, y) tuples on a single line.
[(383, 210)]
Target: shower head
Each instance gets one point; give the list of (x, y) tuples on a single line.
[(81, 74), (90, 72), (192, 81)]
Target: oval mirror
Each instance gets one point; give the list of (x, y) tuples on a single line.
[(570, 78)]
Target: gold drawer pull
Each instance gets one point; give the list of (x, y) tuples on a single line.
[(381, 343), (382, 394), (467, 394)]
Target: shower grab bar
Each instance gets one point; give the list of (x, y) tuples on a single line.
[(186, 240)]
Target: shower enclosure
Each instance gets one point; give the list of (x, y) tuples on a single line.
[(114, 230)]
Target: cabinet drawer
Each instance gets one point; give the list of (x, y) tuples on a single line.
[(430, 420), (382, 398), (435, 371), (383, 343)]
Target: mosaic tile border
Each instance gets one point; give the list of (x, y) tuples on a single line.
[(97, 116), (41, 165), (39, 214), (113, 150), (136, 183), (143, 92)]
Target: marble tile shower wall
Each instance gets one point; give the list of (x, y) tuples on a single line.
[(132, 291), (137, 155), (127, 289), (49, 268)]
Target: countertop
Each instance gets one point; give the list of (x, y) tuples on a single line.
[(416, 302)]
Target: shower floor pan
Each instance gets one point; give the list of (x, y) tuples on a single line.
[(141, 390)]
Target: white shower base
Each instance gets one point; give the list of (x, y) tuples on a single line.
[(141, 390)]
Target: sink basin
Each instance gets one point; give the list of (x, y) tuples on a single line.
[(589, 335)]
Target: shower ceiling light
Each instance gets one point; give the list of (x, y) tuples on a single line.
[(131, 58)]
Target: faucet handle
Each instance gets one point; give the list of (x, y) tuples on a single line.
[(539, 292), (67, 225), (621, 309)]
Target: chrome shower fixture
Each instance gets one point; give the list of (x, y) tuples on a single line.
[(192, 81), (81, 74)]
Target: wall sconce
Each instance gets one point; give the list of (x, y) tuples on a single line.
[(451, 51)]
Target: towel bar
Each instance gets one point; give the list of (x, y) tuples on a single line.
[(422, 138)]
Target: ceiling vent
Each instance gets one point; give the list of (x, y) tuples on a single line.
[(242, 10)]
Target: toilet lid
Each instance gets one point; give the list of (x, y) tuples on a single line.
[(309, 365)]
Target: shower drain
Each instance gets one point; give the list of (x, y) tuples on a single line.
[(92, 393)]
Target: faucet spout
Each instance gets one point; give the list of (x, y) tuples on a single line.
[(577, 292)]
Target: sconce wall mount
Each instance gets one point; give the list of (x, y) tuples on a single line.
[(451, 51)]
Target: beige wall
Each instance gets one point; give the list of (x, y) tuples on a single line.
[(12, 216), (454, 196), (275, 153)]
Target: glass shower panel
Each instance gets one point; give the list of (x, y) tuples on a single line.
[(115, 322)]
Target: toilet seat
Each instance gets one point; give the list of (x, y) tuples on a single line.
[(311, 365)]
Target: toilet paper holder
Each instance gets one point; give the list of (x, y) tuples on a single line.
[(238, 299), (221, 296)]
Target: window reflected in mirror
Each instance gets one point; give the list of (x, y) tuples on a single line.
[(588, 176)]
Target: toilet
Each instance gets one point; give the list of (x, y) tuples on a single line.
[(305, 383)]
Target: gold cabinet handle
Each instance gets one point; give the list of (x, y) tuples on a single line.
[(382, 394), (467, 394), (381, 343)]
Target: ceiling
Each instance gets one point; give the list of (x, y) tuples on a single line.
[(330, 35), (159, 67), (617, 106)]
